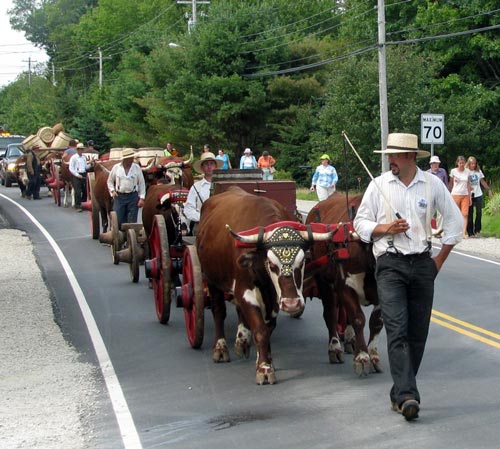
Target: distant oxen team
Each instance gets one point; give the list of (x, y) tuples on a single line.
[(253, 253)]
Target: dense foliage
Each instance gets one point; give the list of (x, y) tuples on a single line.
[(267, 74)]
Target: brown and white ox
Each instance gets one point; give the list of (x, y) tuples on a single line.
[(262, 271), (161, 198), (346, 284)]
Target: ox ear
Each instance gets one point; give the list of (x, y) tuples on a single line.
[(247, 260)]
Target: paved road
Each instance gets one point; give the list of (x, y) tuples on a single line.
[(178, 398)]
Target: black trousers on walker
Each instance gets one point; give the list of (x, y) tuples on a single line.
[(406, 290)]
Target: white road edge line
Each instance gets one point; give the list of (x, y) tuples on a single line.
[(470, 256), (128, 431)]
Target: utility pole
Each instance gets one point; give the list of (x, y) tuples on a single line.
[(100, 58), (194, 3), (29, 61), (53, 74), (382, 82)]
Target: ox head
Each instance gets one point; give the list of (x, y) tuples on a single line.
[(284, 246), (173, 169)]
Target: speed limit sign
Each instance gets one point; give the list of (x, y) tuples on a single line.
[(432, 130)]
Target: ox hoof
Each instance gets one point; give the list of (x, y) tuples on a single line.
[(335, 351), (376, 366), (265, 374), (349, 347), (221, 353), (362, 364), (242, 349), (336, 356)]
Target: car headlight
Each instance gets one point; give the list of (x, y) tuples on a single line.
[(11, 166)]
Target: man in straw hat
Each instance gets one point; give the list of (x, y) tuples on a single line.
[(200, 190), (395, 216), (78, 167), (127, 188)]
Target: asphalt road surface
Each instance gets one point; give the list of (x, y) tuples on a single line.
[(157, 392)]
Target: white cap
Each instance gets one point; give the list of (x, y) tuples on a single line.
[(434, 160), (247, 151)]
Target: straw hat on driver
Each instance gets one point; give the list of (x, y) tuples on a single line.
[(127, 153), (403, 143), (205, 157)]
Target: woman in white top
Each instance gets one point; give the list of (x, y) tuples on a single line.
[(461, 190), (248, 161), (476, 181)]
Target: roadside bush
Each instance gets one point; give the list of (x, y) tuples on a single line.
[(493, 205)]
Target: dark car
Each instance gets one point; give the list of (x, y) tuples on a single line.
[(8, 168)]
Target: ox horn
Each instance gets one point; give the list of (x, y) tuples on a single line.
[(150, 166), (310, 236), (191, 157), (355, 235), (254, 239)]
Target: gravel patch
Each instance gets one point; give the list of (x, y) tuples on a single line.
[(47, 393)]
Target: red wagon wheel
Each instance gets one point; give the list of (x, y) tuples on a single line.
[(133, 247), (193, 299), (160, 268)]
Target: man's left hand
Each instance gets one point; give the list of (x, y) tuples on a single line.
[(140, 203)]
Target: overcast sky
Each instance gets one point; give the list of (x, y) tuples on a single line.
[(15, 50)]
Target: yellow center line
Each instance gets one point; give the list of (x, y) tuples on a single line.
[(466, 325)]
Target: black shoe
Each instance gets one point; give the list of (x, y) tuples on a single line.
[(28, 197), (37, 198), (409, 409)]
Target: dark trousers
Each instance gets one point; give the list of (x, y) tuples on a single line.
[(125, 206), (33, 188), (474, 225), (80, 187), (406, 290)]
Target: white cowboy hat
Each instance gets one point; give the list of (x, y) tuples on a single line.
[(208, 156), (127, 153), (434, 160), (403, 143)]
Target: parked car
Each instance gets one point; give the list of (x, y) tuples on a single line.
[(8, 169)]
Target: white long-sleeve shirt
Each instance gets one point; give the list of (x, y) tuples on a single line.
[(411, 202), (78, 165), (122, 182), (194, 201)]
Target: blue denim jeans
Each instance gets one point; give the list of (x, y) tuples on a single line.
[(406, 290), (125, 206)]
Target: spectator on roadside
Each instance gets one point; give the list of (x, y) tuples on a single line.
[(200, 190), (248, 161), (78, 167), (476, 181), (324, 179), (461, 190), (206, 148), (33, 171), (226, 162), (127, 187), (170, 150), (436, 170), (266, 164)]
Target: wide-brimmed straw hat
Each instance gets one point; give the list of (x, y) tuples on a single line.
[(127, 153), (403, 143), (205, 157)]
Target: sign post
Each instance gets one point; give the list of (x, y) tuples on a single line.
[(432, 130)]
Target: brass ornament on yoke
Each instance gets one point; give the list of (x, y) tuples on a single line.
[(285, 243)]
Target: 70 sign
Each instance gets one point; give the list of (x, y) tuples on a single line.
[(432, 130)]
